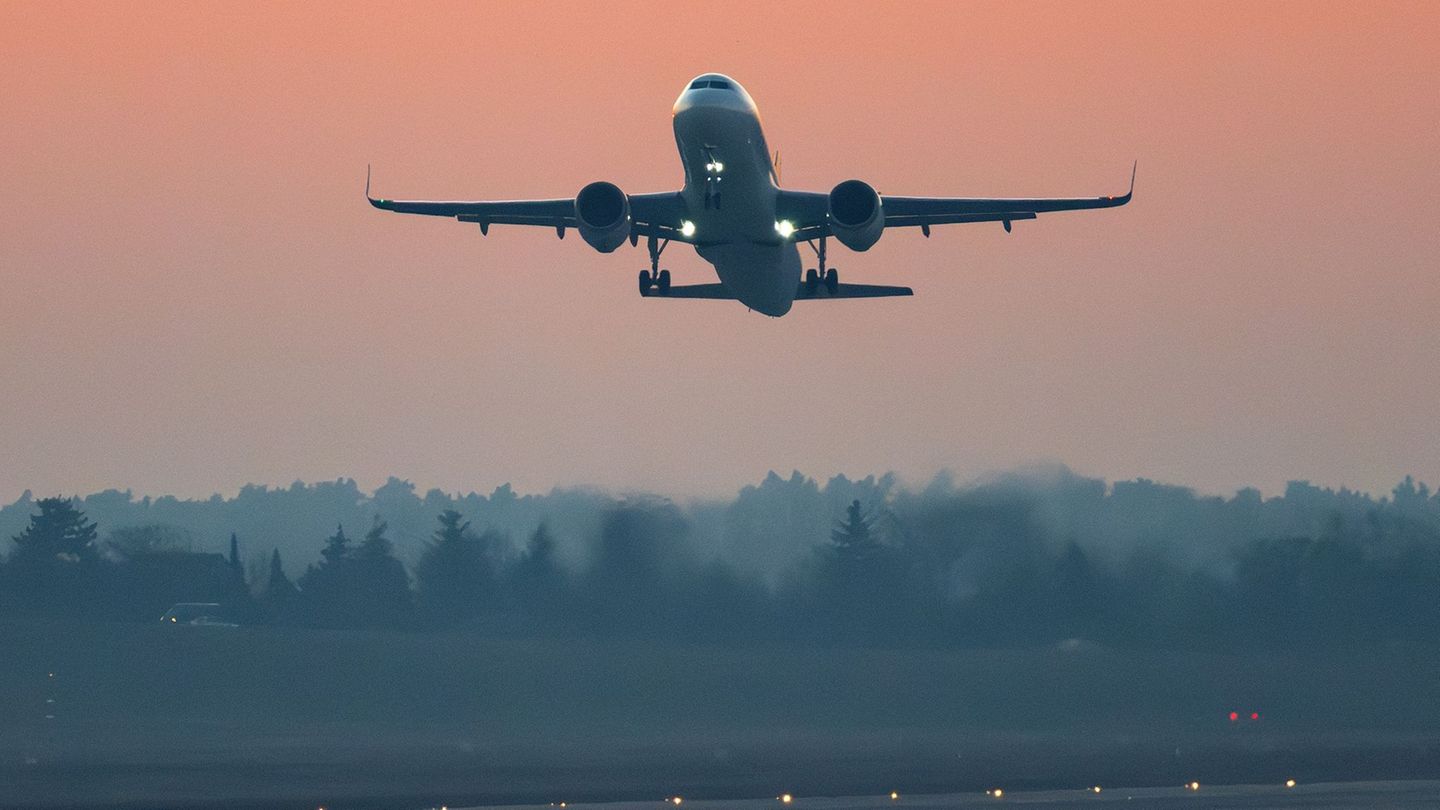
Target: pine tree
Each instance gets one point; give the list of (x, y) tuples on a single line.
[(537, 582), (237, 570), (455, 575), (59, 534), (328, 589), (337, 547), (376, 544), (383, 587), (280, 593), (852, 538)]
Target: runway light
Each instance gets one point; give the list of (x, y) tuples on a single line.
[(687, 228), (785, 228), (1254, 715), (786, 798), (997, 793), (676, 800), (1234, 716), (1193, 786), (1095, 789), (1289, 783)]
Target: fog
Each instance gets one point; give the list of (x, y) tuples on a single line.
[(1037, 626)]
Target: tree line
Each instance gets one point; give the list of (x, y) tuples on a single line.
[(1014, 561)]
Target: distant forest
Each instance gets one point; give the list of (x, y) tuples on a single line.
[(1045, 557)]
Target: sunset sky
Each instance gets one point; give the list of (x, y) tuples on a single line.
[(194, 294)]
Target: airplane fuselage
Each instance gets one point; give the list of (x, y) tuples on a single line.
[(730, 193)]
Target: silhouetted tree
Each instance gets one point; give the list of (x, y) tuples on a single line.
[(60, 533), (131, 542), (235, 564), (329, 591), (537, 585), (56, 568), (280, 595), (337, 547), (851, 539), (635, 581), (860, 584), (384, 587), (455, 576)]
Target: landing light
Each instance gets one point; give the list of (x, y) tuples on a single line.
[(1289, 783), (687, 228), (785, 228), (894, 795), (786, 798)]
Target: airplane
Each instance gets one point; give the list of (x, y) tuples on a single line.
[(734, 212)]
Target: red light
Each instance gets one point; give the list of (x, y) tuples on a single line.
[(1234, 716), (1254, 715)]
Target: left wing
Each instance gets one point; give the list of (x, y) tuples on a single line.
[(655, 214), (809, 211)]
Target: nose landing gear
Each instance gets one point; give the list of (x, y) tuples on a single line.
[(655, 281)]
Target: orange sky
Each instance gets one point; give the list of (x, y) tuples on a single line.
[(196, 296)]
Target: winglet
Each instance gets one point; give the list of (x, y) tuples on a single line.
[(1108, 202), (385, 204)]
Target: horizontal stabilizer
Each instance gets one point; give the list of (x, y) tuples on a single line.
[(850, 291), (720, 291)]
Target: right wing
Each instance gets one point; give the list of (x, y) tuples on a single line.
[(657, 214), (809, 210)]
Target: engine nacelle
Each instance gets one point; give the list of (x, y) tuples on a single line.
[(855, 215), (603, 213)]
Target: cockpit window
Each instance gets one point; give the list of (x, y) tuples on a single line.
[(699, 83), (714, 84), (719, 84)]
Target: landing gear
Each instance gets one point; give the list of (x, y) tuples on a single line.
[(655, 281), (814, 276)]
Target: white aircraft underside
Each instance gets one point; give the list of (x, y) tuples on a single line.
[(734, 212)]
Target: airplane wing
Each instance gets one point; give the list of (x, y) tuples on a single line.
[(657, 214), (809, 210)]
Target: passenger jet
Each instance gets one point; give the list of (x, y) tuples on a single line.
[(734, 212)]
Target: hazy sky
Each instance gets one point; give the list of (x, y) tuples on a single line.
[(194, 294)]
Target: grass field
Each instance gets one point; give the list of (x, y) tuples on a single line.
[(150, 715)]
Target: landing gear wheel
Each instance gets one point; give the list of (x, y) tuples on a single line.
[(645, 282), (812, 280), (832, 281), (663, 281)]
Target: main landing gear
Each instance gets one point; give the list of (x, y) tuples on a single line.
[(814, 277), (655, 281)]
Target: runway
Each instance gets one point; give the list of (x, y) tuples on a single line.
[(1330, 796)]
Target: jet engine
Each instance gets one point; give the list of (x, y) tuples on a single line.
[(855, 215), (603, 213)]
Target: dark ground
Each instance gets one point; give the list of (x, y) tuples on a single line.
[(152, 716)]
